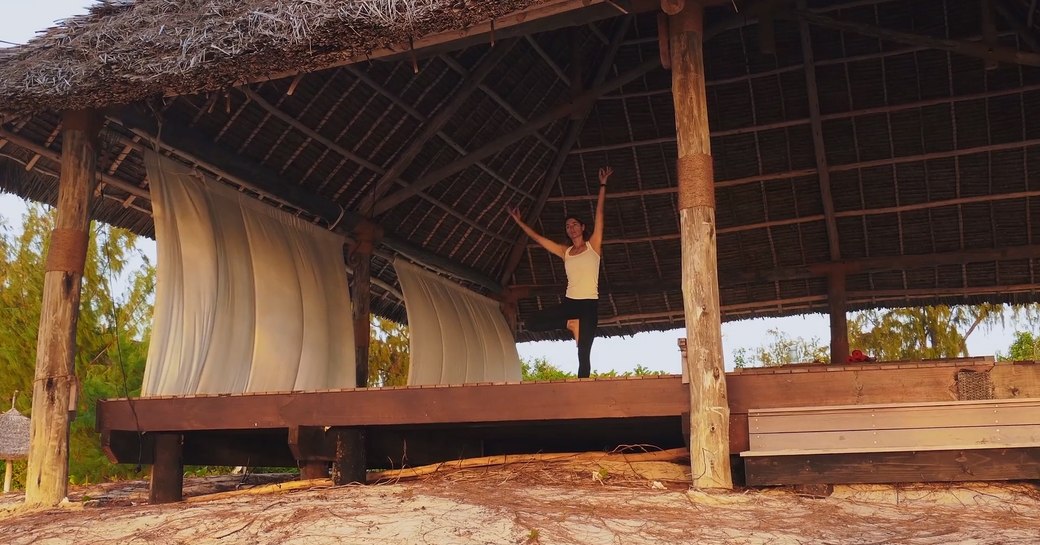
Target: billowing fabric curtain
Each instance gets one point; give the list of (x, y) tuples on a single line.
[(456, 336), (247, 299)]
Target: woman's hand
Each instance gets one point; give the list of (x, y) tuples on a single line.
[(604, 174)]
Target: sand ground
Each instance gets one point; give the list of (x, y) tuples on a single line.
[(533, 504)]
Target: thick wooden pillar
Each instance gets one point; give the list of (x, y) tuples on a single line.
[(366, 236), (350, 464), (167, 482), (709, 408), (839, 321), (47, 476)]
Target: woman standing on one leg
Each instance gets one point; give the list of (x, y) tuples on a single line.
[(581, 260)]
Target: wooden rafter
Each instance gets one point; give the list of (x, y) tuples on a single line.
[(1016, 23), (433, 126), (503, 103), (836, 293), (192, 146), (55, 156), (502, 142), (419, 116), (328, 143), (573, 131), (893, 108), (533, 42), (972, 49), (819, 146)]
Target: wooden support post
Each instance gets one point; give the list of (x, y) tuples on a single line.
[(8, 475), (709, 408), (366, 235), (316, 469), (350, 465), (836, 296), (509, 304), (47, 479), (167, 483)]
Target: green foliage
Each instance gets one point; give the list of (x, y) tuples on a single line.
[(1025, 347), (892, 334), (111, 332), (541, 369), (926, 332), (782, 350), (388, 353)]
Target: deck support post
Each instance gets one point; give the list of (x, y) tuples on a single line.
[(709, 407), (54, 386), (314, 470), (167, 482), (366, 236), (839, 321), (351, 464)]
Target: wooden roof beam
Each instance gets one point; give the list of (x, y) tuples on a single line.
[(983, 51), (454, 65), (573, 131), (1015, 22), (433, 125), (533, 42), (55, 156), (397, 100), (318, 137), (193, 147), (497, 145), (887, 263)]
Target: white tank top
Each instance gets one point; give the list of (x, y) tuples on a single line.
[(582, 274)]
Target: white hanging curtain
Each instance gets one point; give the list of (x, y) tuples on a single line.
[(247, 299), (456, 335)]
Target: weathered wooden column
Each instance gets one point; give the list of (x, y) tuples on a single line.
[(366, 235), (47, 477), (167, 481), (839, 321), (709, 408)]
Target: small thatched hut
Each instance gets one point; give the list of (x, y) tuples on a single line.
[(14, 441)]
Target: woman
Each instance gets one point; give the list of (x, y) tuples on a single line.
[(580, 309)]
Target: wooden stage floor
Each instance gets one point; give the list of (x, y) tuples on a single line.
[(425, 424)]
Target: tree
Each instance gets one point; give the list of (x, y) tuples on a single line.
[(782, 350), (388, 358), (1025, 347), (111, 336), (926, 332)]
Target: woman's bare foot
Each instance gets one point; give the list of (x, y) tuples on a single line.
[(572, 326)]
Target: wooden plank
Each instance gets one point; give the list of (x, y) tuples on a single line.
[(898, 439), (621, 398), (889, 418), (867, 384), (933, 466)]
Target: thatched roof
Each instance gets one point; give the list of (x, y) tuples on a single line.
[(14, 435), (126, 50), (929, 156)]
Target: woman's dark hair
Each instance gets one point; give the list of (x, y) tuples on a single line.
[(584, 226)]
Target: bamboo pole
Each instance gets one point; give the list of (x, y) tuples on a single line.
[(8, 475), (709, 409), (47, 476)]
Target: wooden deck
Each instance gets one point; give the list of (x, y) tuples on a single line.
[(428, 424)]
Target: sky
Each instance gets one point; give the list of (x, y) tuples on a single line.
[(656, 351)]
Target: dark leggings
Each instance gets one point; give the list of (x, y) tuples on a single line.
[(586, 311)]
